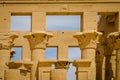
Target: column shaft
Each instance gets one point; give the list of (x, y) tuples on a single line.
[(4, 58), (118, 64), (37, 54), (88, 54)]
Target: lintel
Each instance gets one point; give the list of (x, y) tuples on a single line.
[(57, 1)]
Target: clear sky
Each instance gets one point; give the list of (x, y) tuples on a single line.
[(23, 23), (69, 22)]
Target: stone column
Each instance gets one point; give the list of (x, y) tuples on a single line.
[(114, 41), (38, 42), (60, 71), (88, 44), (6, 42)]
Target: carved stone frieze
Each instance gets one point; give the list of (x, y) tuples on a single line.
[(38, 39), (6, 40), (88, 39)]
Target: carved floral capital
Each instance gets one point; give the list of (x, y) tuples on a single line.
[(6, 40), (38, 39), (114, 40), (88, 39)]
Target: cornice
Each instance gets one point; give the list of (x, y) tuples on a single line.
[(58, 1)]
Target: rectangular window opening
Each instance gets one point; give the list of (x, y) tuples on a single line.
[(16, 53), (63, 22), (74, 53), (21, 22), (71, 74), (51, 53)]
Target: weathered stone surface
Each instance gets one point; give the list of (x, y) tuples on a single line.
[(98, 39)]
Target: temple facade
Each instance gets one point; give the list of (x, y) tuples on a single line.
[(98, 40)]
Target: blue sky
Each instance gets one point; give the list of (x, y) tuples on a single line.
[(17, 56), (23, 23), (69, 22)]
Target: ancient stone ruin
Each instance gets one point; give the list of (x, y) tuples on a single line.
[(98, 40)]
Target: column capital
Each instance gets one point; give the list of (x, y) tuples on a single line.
[(6, 40), (88, 39), (38, 40), (62, 64), (114, 40)]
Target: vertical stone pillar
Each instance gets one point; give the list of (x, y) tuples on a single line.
[(60, 71), (114, 41), (38, 21), (118, 21), (4, 20), (62, 50), (38, 42), (88, 44), (89, 21), (6, 42)]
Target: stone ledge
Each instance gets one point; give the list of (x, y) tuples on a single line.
[(18, 64), (56, 1), (46, 63), (82, 63)]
